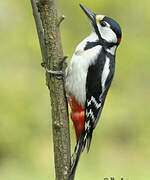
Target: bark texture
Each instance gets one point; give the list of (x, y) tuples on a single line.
[(47, 24)]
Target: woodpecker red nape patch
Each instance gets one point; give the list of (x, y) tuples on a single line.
[(118, 40), (77, 116)]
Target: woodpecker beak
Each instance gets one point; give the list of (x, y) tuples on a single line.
[(90, 14)]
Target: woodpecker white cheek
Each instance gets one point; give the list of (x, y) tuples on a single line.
[(107, 34)]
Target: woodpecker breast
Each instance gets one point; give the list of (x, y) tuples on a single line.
[(78, 68)]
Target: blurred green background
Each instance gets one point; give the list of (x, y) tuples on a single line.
[(121, 141)]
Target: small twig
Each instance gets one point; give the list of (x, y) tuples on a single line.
[(60, 20), (39, 28)]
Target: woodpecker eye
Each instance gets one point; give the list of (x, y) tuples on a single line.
[(103, 24)]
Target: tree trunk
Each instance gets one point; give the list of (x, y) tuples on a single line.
[(47, 24)]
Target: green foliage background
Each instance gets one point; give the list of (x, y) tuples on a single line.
[(121, 141)]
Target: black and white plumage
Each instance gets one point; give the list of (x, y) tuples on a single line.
[(90, 74)]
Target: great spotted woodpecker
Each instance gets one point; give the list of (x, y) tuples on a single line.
[(89, 77)]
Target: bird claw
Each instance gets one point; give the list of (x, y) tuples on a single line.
[(59, 74)]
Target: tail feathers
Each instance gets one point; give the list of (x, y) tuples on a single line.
[(89, 138), (77, 152)]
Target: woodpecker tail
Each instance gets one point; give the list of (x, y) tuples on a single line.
[(89, 138), (77, 152)]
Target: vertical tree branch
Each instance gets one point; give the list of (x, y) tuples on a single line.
[(39, 29), (49, 36)]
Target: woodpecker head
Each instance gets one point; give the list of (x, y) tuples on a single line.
[(107, 30)]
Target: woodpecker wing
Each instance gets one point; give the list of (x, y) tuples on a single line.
[(98, 81), (99, 78)]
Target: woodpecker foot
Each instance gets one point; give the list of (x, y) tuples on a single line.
[(43, 64), (60, 74)]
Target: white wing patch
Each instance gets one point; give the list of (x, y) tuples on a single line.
[(105, 73), (87, 125), (97, 105), (90, 113)]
